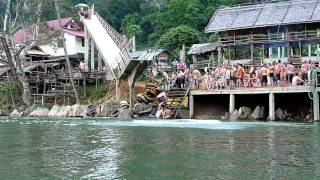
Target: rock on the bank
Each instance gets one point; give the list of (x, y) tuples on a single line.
[(244, 112), (64, 111), (280, 114), (141, 108), (40, 112), (54, 111), (16, 113), (78, 111), (234, 116), (125, 113), (258, 113), (106, 109)]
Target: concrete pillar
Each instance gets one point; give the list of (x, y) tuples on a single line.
[(118, 90), (86, 52), (92, 55), (279, 52), (232, 103), (191, 106), (272, 108), (99, 62)]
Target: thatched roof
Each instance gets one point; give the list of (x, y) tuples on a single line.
[(263, 15), (202, 48)]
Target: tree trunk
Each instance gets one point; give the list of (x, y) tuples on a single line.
[(66, 53), (6, 16)]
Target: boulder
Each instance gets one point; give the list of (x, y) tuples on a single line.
[(40, 112), (125, 113), (30, 110), (141, 108), (64, 111), (244, 112), (256, 114), (280, 115), (3, 113), (234, 116), (262, 113), (106, 109), (78, 111), (54, 111), (16, 113)]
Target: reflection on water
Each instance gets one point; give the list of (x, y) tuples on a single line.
[(185, 149)]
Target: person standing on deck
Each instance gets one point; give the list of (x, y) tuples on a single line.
[(196, 75), (291, 70), (304, 70), (175, 65), (264, 75), (270, 74), (240, 75)]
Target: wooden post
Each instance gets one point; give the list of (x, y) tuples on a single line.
[(118, 91), (283, 48), (219, 55), (86, 51), (92, 54), (194, 58), (252, 53), (309, 50), (99, 62), (270, 53), (263, 54)]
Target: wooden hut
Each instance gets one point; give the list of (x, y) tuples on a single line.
[(203, 55), (266, 32)]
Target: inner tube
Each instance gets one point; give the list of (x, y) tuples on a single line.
[(150, 85), (148, 98), (143, 99), (115, 113), (152, 92)]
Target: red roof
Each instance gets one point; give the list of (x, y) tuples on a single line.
[(26, 33)]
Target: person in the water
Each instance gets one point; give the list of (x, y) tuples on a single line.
[(163, 112)]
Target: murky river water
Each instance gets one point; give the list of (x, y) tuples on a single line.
[(102, 149)]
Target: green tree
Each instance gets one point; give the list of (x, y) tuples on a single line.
[(133, 30), (178, 36)]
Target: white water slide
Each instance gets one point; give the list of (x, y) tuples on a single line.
[(111, 45)]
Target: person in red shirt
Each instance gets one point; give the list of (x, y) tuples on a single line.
[(240, 75)]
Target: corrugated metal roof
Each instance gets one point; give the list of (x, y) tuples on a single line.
[(263, 15), (202, 48), (146, 55)]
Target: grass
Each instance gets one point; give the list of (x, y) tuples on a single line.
[(93, 92)]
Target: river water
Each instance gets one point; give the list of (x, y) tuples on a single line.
[(185, 149)]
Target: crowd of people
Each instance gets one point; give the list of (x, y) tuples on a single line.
[(276, 74)]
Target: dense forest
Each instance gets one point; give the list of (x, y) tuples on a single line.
[(165, 23)]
